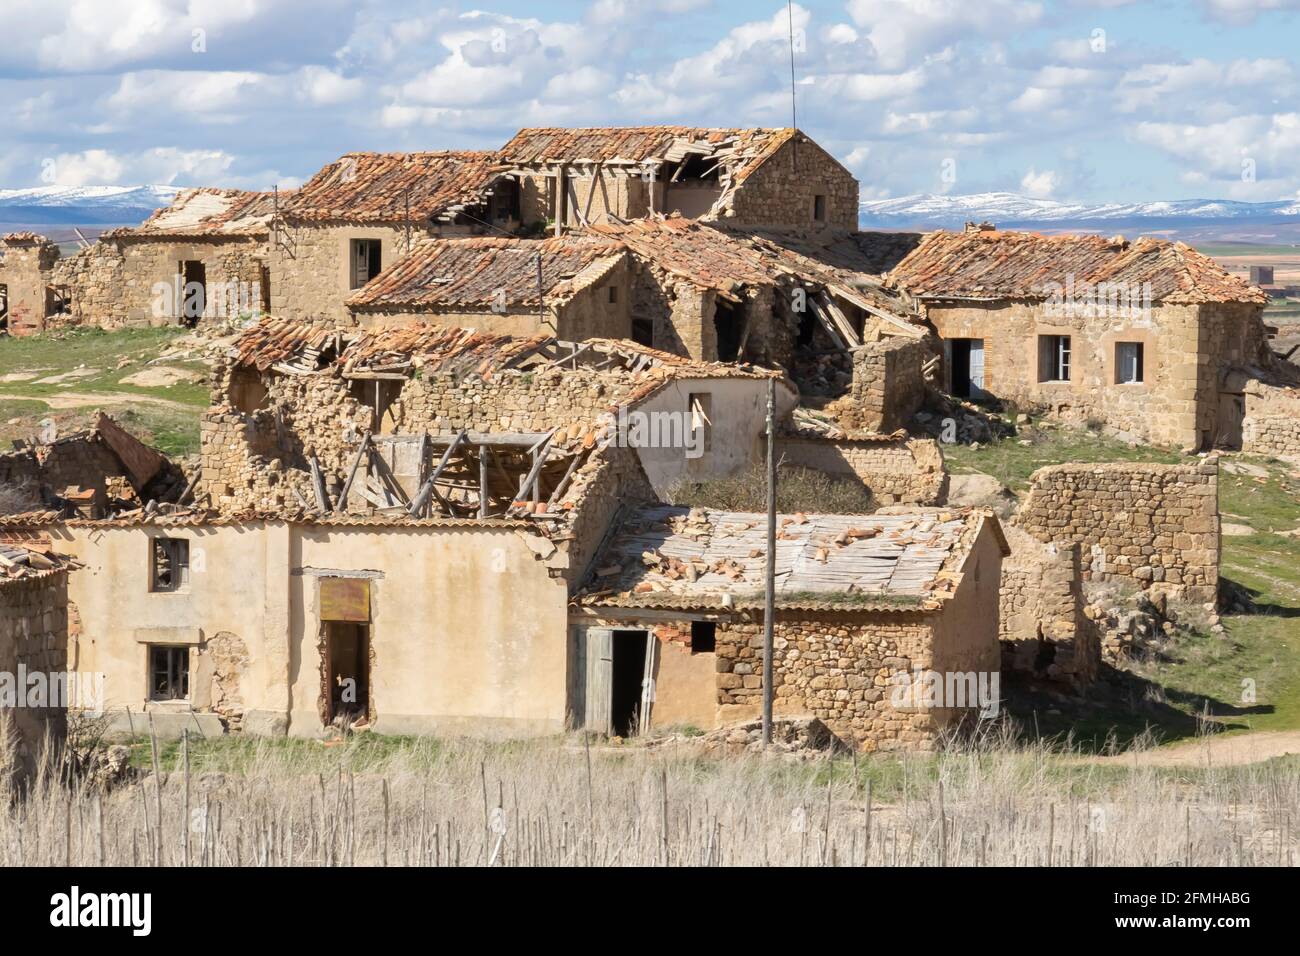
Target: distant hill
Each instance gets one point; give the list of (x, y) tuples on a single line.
[(1190, 219), (40, 207)]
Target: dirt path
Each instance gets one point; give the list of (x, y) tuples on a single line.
[(81, 399), (1221, 751)]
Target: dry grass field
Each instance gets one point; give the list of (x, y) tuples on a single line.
[(393, 801)]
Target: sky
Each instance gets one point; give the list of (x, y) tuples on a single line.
[(1075, 100)]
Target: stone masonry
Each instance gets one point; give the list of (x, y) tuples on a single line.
[(1155, 524)]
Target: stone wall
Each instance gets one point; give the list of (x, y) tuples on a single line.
[(1272, 420), (780, 193), (310, 267), (34, 636), (25, 266), (837, 667), (888, 385), (898, 471), (134, 281), (251, 457), (1185, 351), (1155, 524), (1042, 625)]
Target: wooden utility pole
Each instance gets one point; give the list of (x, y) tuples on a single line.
[(769, 590)]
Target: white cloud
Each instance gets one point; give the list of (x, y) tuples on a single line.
[(1039, 185)]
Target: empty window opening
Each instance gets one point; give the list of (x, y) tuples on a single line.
[(700, 405), (627, 686), (366, 261), (966, 367), (727, 324), (169, 672), (379, 395), (194, 291), (704, 637), (819, 208), (4, 308), (247, 391), (613, 295), (169, 564), (643, 332), (348, 646), (1053, 358), (1128, 363)]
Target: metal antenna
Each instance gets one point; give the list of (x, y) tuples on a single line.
[(794, 114)]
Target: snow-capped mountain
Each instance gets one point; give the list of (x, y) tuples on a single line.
[(82, 205), (929, 211)]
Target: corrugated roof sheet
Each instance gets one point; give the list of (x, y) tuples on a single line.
[(482, 271), (1016, 265), (666, 556), (375, 187), (209, 212)]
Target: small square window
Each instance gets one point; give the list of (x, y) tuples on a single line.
[(169, 564), (704, 637), (169, 672), (1128, 363), (819, 208), (1054, 358)]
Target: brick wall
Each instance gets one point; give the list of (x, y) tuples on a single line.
[(1155, 524)]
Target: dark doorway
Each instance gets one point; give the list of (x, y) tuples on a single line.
[(643, 332), (727, 323), (4, 308), (626, 686), (194, 291), (347, 644), (966, 367)]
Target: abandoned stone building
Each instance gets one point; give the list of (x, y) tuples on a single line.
[(26, 295), (572, 287), (669, 625), (92, 472), (1156, 526), (34, 629), (749, 177), (365, 211), (1142, 336)]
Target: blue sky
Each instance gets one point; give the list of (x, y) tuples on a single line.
[(1096, 101)]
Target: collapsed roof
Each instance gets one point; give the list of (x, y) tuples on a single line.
[(25, 562), (482, 272), (676, 557), (986, 264), (207, 213), (396, 187)]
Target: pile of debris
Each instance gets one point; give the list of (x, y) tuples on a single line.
[(953, 420), (803, 738), (827, 374), (1138, 626)]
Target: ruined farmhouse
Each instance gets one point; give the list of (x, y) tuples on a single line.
[(437, 479)]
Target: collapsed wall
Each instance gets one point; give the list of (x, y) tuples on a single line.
[(1271, 425), (897, 469), (1042, 625), (888, 385), (33, 641), (1155, 524)]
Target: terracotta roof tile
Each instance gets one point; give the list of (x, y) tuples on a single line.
[(1008, 265), (208, 212), (374, 187), (483, 271)]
